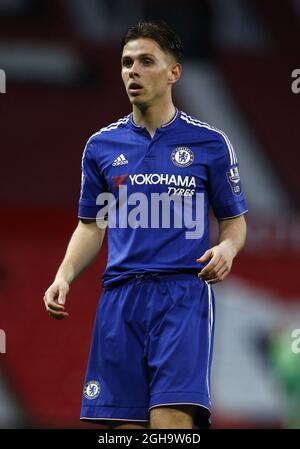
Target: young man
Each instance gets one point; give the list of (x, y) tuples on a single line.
[(151, 352)]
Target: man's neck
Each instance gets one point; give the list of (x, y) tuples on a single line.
[(153, 117)]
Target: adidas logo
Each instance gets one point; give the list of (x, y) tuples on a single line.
[(121, 160)]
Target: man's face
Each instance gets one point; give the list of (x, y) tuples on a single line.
[(146, 71)]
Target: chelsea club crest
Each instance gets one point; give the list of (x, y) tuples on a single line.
[(91, 389), (182, 156)]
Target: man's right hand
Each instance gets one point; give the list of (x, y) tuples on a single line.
[(55, 298), (83, 247)]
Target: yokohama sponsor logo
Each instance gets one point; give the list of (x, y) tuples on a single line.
[(161, 178)]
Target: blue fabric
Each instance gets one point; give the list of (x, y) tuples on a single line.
[(152, 345), (124, 154)]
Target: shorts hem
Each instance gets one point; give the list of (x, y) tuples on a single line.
[(202, 418), (181, 397), (114, 413)]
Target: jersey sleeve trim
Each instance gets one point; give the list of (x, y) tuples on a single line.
[(234, 216), (87, 211), (231, 211)]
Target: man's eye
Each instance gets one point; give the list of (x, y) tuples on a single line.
[(147, 61), (127, 63)]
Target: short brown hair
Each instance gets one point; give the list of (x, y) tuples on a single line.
[(160, 32)]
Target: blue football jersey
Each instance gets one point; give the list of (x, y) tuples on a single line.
[(162, 188)]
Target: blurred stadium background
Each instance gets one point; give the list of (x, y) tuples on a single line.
[(62, 62)]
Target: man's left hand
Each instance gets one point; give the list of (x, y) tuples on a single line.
[(220, 261)]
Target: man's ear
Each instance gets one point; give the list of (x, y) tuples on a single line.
[(175, 73)]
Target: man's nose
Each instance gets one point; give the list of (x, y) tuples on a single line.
[(134, 69)]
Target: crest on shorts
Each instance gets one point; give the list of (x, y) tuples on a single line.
[(182, 156), (233, 177), (91, 389)]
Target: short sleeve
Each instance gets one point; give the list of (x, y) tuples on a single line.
[(224, 184), (92, 183)]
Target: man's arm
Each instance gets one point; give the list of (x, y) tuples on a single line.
[(232, 237), (82, 249)]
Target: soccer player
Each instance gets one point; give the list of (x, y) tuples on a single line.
[(151, 352)]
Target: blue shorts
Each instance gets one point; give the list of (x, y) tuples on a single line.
[(152, 346)]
